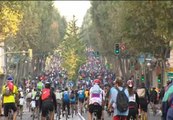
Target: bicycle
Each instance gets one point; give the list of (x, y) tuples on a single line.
[(10, 114), (21, 112), (58, 114), (33, 113), (94, 115), (73, 109), (66, 113)]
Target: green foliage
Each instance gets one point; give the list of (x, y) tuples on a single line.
[(41, 28), (144, 26), (72, 50)]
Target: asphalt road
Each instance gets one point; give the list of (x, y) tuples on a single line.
[(27, 116), (150, 115)]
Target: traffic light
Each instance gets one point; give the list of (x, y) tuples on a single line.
[(30, 53), (159, 78), (117, 49), (142, 77)]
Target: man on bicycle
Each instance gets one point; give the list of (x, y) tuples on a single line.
[(48, 102), (81, 98), (95, 100), (10, 93), (58, 94), (66, 100), (73, 101)]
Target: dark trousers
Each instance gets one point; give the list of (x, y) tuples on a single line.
[(66, 104)]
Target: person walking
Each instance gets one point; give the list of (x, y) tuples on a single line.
[(119, 100), (133, 101), (153, 100), (144, 99)]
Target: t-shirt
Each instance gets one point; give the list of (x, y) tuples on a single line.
[(86, 93), (21, 101), (33, 104), (58, 95), (10, 98), (96, 95)]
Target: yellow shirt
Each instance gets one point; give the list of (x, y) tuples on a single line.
[(86, 93), (10, 98)]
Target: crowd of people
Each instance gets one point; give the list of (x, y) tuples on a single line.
[(97, 90)]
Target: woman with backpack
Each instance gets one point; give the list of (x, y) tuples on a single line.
[(144, 100), (133, 101)]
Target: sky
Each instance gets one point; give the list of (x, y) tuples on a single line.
[(70, 8)]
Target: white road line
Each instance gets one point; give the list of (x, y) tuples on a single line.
[(82, 118)]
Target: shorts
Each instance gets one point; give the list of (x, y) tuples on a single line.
[(95, 108), (8, 106), (46, 108), (37, 103), (81, 100)]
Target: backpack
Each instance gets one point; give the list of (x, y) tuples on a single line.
[(9, 89), (141, 92), (66, 97), (45, 94), (122, 100)]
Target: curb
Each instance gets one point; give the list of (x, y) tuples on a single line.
[(81, 117)]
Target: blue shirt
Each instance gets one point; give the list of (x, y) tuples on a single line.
[(113, 93)]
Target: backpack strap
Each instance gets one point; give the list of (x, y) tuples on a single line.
[(119, 89)]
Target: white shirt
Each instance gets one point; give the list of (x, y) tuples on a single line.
[(132, 98), (33, 104), (96, 95), (58, 95), (21, 101)]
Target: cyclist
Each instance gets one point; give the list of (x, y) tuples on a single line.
[(37, 96), (81, 98), (10, 93), (95, 100), (28, 98), (73, 100), (21, 101), (58, 94), (40, 85), (48, 102), (66, 100)]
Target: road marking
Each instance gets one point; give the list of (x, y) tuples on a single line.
[(82, 118)]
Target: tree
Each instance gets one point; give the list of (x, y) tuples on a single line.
[(10, 17), (41, 29), (72, 49)]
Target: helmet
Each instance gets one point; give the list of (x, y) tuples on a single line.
[(47, 84), (10, 78), (130, 83), (96, 81), (20, 89)]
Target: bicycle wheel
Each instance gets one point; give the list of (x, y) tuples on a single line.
[(58, 112), (10, 115), (66, 114), (33, 115), (72, 111), (21, 115)]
